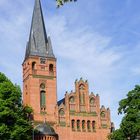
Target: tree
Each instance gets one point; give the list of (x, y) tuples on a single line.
[(130, 124), (61, 2), (117, 135), (14, 117)]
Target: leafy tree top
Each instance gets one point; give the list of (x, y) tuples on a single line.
[(14, 117), (130, 124), (61, 2)]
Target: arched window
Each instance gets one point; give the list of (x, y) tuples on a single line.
[(62, 117), (51, 69), (83, 125), (43, 99), (73, 124), (71, 100), (78, 124), (93, 125), (92, 101), (88, 125), (92, 104), (61, 112), (72, 103), (33, 65), (82, 102)]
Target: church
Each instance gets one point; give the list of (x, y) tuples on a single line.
[(78, 116)]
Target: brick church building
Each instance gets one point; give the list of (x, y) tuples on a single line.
[(78, 116)]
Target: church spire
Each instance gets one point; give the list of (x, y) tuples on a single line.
[(39, 44)]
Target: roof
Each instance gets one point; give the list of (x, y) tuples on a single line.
[(45, 129), (61, 101), (39, 44)]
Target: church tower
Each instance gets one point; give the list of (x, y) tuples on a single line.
[(39, 70), (78, 116)]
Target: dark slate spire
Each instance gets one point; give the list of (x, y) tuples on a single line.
[(39, 44)]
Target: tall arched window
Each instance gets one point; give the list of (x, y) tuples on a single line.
[(82, 102), (93, 125), (51, 69), (73, 124), (62, 117), (72, 103), (83, 125), (42, 99), (33, 65), (92, 104), (92, 101), (82, 98), (88, 125), (78, 125)]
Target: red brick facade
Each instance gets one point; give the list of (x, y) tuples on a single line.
[(38, 77), (78, 115)]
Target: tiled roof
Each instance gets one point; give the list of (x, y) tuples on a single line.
[(39, 44)]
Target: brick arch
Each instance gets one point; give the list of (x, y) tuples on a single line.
[(88, 125), (83, 125), (73, 122)]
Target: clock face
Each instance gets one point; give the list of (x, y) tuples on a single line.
[(42, 86)]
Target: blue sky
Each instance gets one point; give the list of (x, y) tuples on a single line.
[(98, 40)]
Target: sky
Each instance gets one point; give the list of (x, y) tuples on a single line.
[(98, 40)]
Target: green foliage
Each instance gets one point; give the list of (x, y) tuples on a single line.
[(61, 2), (130, 125), (117, 135), (14, 117)]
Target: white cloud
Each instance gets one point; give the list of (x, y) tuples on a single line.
[(85, 53), (87, 50)]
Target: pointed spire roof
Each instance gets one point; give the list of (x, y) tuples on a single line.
[(39, 44)]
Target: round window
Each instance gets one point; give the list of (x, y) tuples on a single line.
[(42, 86)]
